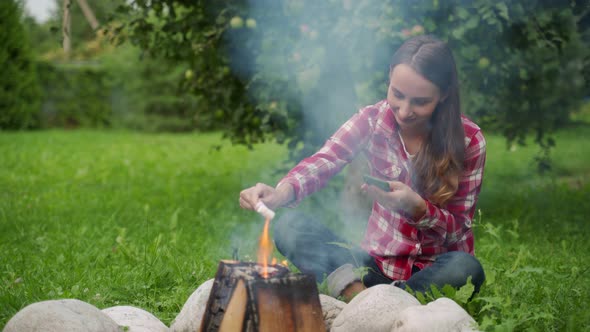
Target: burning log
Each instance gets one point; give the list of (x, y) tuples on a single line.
[(243, 300)]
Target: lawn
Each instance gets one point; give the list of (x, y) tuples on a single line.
[(119, 218)]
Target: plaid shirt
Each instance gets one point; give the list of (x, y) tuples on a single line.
[(395, 241)]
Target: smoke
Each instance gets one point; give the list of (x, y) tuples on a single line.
[(326, 58), (322, 55), (244, 239)]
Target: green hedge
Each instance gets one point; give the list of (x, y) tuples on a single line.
[(75, 94), (118, 90)]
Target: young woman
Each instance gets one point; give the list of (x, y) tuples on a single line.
[(432, 157)]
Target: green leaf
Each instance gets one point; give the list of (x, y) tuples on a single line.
[(503, 10), (449, 291), (429, 24), (462, 13), (436, 293), (421, 298), (472, 23), (464, 293), (470, 52), (458, 32)]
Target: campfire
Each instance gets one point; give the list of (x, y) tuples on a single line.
[(265, 248), (261, 297)]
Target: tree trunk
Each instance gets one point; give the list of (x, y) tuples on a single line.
[(66, 26), (242, 300), (89, 14)]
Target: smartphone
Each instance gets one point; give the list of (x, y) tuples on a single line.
[(381, 184)]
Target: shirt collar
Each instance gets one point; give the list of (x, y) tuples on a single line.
[(385, 121)]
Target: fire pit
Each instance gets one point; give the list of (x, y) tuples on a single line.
[(261, 297), (242, 299)]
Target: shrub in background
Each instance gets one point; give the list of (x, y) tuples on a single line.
[(147, 92), (100, 85), (19, 90), (75, 94)]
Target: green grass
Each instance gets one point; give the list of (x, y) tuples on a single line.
[(532, 236), (118, 218)]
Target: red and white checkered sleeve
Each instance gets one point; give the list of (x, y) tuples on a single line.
[(312, 173), (455, 219)]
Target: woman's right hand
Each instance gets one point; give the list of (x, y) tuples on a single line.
[(271, 197)]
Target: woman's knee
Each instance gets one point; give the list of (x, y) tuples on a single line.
[(452, 268), (286, 229), (466, 266)]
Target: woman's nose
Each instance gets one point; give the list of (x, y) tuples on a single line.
[(404, 109)]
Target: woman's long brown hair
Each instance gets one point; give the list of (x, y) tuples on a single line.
[(439, 163)]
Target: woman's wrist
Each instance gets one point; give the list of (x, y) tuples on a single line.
[(285, 194), (419, 209)]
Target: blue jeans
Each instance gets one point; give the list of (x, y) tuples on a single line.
[(315, 249)]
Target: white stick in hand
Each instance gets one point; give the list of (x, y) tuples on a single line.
[(264, 210)]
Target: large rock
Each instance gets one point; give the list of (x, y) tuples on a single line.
[(331, 307), (190, 317), (135, 319), (61, 315), (440, 315), (374, 309)]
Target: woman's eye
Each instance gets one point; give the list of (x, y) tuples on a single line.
[(398, 95), (420, 102)]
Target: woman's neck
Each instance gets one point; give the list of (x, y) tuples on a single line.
[(418, 134), (412, 141)]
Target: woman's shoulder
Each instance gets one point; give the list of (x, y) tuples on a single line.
[(470, 127), (378, 109), (474, 139), (379, 116)]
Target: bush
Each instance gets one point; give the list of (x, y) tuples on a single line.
[(115, 87), (148, 93), (75, 94), (19, 90)]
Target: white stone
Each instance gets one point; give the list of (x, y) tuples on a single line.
[(135, 319), (190, 317), (61, 315), (443, 315), (374, 309), (331, 307)]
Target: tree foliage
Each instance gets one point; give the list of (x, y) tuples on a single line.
[(293, 70), (19, 90), (194, 33)]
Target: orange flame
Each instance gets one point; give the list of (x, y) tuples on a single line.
[(265, 248), (285, 263)]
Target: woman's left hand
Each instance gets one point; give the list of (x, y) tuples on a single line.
[(400, 198)]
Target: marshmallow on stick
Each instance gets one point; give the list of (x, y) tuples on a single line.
[(264, 210)]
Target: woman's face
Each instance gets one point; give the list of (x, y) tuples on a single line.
[(412, 98)]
